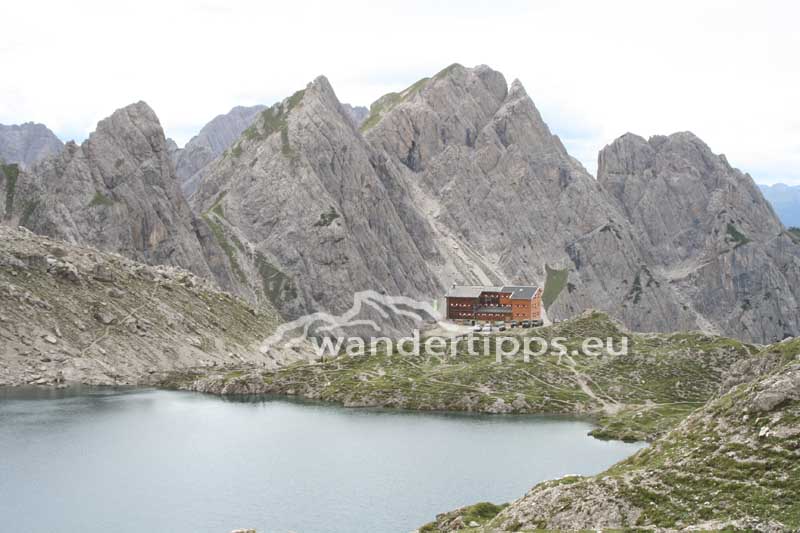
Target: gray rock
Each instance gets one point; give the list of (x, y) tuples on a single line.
[(215, 137), (106, 318), (357, 114), (28, 143), (777, 392), (68, 339), (456, 179), (710, 232), (507, 203), (312, 213), (117, 192)]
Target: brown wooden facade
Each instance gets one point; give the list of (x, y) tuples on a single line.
[(490, 304)]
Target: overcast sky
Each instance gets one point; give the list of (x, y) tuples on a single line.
[(728, 71)]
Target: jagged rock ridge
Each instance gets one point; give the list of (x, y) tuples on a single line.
[(117, 192), (218, 135), (455, 179), (310, 212), (476, 189), (507, 203), (711, 232), (212, 140)]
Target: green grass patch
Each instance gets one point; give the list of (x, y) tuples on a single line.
[(275, 119), (100, 199), (230, 249), (230, 376), (11, 173), (389, 101), (735, 237), (276, 286), (217, 207), (480, 513), (327, 218), (447, 71), (554, 285), (660, 380)]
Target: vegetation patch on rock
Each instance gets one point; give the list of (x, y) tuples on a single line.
[(100, 199), (735, 237), (11, 173), (555, 282)]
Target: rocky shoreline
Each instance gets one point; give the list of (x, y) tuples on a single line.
[(733, 465), (634, 397)]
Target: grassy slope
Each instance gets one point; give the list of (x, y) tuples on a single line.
[(554, 284), (735, 463), (635, 397), (389, 101)]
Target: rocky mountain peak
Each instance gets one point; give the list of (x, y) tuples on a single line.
[(447, 109), (309, 202), (455, 179), (117, 192), (136, 122), (129, 140), (710, 231), (516, 90), (678, 174)]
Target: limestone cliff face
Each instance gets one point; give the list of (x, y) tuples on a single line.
[(116, 192), (710, 230), (310, 213), (25, 144), (458, 179), (509, 204), (215, 137)]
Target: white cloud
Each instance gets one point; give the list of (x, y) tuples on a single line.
[(726, 70)]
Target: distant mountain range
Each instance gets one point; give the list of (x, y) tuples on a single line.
[(785, 199), (25, 144), (455, 179)]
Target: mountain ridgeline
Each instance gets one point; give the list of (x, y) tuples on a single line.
[(215, 137), (456, 179)]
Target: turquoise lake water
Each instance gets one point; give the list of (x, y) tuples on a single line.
[(136, 461)]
